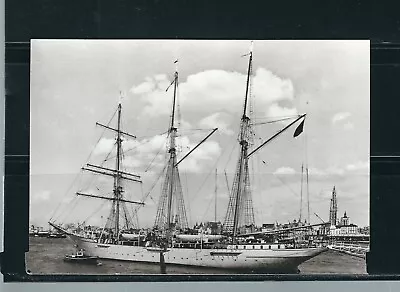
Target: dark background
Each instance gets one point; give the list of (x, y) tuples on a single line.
[(190, 19)]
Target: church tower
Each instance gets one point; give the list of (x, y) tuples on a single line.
[(333, 209)]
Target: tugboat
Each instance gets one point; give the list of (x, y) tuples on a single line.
[(80, 257)]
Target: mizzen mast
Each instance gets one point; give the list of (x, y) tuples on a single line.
[(240, 209)]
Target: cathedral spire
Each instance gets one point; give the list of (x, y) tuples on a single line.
[(333, 208)]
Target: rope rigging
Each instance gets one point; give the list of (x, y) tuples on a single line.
[(79, 174), (155, 156)]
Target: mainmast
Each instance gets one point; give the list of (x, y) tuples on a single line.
[(171, 212), (172, 190), (172, 151)]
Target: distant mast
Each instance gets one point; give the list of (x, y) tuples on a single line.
[(216, 191), (301, 192), (308, 197)]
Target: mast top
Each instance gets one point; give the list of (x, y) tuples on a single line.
[(176, 65), (251, 47), (120, 97), (249, 72)]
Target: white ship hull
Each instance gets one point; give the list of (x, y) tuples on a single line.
[(268, 260)]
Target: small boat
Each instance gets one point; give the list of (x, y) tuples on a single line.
[(80, 257), (56, 235)]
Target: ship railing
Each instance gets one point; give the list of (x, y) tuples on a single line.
[(352, 249)]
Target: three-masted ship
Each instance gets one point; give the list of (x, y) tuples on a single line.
[(228, 250)]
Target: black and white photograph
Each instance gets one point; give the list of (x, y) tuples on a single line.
[(199, 157)]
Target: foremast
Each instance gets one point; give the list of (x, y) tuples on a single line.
[(117, 178), (118, 201)]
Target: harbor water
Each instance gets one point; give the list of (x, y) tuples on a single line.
[(46, 256)]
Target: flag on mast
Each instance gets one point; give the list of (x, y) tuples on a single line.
[(176, 65), (299, 129)]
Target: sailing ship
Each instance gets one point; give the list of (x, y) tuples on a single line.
[(228, 250)]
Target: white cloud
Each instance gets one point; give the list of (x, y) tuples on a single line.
[(104, 146), (270, 87), (316, 171), (160, 77), (332, 170), (131, 162), (285, 170), (208, 151), (340, 117), (217, 89), (141, 153), (358, 166), (276, 111), (144, 87), (335, 170), (145, 146), (217, 120), (185, 125)]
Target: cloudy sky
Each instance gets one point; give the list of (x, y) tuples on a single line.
[(75, 84)]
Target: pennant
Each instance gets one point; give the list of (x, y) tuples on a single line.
[(299, 129)]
